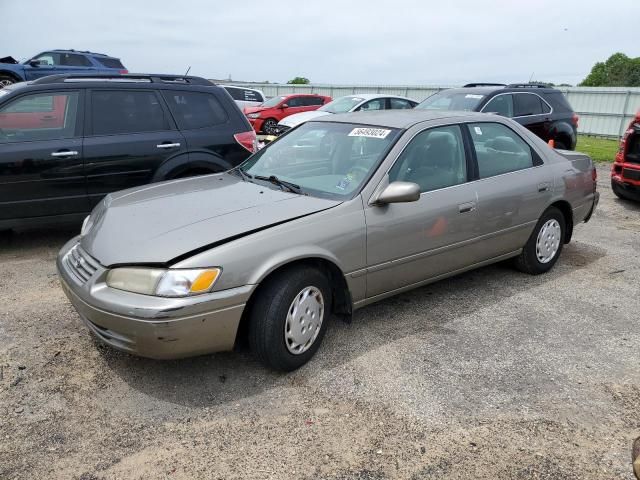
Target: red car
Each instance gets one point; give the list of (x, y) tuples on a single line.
[(625, 173), (265, 117), (44, 111)]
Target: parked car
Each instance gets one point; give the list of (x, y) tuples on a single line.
[(341, 212), (58, 62), (625, 172), (265, 117), (542, 109), (350, 103), (245, 97), (68, 140)]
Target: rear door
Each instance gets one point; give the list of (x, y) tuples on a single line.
[(41, 167), (129, 135), (514, 187), (411, 242), (528, 112)]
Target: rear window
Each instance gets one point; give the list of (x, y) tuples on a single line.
[(110, 62), (559, 102), (195, 109), (244, 95)]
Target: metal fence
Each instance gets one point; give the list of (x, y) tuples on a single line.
[(603, 111)]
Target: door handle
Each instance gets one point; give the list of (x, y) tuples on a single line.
[(544, 187), (467, 207), (67, 153), (168, 145)]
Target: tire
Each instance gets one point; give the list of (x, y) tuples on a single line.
[(270, 126), (271, 316), (560, 145), (549, 234), (621, 193), (6, 80)]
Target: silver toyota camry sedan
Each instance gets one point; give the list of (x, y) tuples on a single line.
[(338, 213)]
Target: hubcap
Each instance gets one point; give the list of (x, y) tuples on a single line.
[(548, 242), (304, 320), (270, 127), (5, 82)]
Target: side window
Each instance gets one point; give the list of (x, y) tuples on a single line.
[(118, 111), (235, 93), (295, 102), (49, 58), (314, 101), (74, 60), (42, 116), (545, 107), (195, 109), (527, 104), (400, 104), (434, 159), (251, 96), (499, 149), (501, 104), (377, 104)]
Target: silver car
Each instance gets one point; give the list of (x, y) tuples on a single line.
[(338, 213)]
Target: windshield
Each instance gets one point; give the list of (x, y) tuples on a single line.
[(272, 102), (331, 160), (341, 105), (452, 101)]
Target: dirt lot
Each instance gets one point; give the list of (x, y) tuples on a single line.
[(492, 374)]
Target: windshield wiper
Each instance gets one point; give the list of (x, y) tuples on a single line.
[(292, 187), (245, 176)]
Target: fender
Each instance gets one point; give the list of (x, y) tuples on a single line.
[(15, 72), (199, 159)]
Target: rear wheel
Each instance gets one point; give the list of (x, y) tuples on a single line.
[(544, 246), (270, 126), (560, 145), (289, 318)]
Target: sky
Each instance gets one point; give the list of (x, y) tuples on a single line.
[(408, 42)]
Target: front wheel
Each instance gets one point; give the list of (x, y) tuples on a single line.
[(289, 318), (270, 126), (6, 80), (544, 246)]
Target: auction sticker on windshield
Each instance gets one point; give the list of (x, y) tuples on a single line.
[(370, 132)]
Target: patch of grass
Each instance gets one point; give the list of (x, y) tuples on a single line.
[(599, 149)]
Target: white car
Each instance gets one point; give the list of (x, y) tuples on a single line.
[(351, 103), (245, 97)]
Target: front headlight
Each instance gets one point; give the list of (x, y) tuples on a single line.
[(253, 115), (162, 282)]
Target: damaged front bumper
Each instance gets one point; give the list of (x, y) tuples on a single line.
[(145, 325)]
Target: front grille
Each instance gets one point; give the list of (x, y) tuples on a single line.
[(631, 174), (80, 265)]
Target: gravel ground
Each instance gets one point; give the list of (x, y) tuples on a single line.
[(491, 374)]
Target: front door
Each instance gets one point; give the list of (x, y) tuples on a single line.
[(130, 136), (411, 242), (41, 171)]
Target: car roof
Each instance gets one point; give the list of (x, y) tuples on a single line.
[(86, 52), (242, 88), (399, 118), (498, 89), (287, 95)]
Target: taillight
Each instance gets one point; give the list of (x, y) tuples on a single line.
[(248, 140), (122, 72), (575, 119)]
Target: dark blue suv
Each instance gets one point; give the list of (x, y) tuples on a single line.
[(55, 62)]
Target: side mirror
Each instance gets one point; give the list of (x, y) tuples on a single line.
[(284, 105), (399, 192), (35, 63)]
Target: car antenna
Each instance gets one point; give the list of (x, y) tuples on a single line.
[(187, 72)]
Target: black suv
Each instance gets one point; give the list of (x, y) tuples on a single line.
[(68, 140), (542, 109)]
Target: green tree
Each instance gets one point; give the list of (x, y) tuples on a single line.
[(299, 81), (618, 70)]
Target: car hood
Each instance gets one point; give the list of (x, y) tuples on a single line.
[(298, 118), (158, 223), (256, 109)]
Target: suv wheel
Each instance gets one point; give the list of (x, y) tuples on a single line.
[(270, 126), (6, 80), (544, 246), (289, 318)]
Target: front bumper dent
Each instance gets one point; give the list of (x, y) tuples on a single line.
[(154, 327)]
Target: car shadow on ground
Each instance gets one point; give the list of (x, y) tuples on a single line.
[(23, 242), (628, 205), (227, 377)]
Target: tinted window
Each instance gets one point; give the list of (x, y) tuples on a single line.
[(499, 149), (235, 93), (195, 109), (44, 116), (400, 104), (377, 104), (251, 96), (314, 101), (74, 60), (110, 62), (501, 104), (295, 102), (434, 159), (114, 112), (545, 107), (559, 102), (527, 104)]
